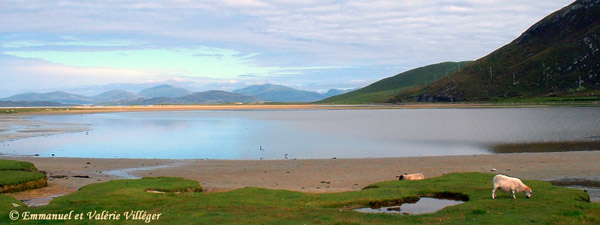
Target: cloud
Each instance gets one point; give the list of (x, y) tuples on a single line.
[(301, 41)]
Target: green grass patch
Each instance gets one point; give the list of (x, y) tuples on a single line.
[(6, 164), (549, 204), (12, 177), (19, 176), (38, 110)]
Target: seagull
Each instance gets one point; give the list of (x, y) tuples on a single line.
[(261, 148), (285, 156), (15, 205)]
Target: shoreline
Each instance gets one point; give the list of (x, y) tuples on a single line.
[(66, 175), (231, 107)]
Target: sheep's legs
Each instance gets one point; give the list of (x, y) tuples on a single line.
[(494, 192), (513, 194)]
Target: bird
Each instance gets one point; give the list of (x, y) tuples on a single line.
[(261, 148)]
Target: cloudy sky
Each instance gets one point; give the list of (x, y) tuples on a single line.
[(89, 46)]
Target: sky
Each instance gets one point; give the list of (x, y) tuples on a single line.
[(87, 47)]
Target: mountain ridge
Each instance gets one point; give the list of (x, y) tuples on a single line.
[(556, 56), (386, 88), (280, 93), (164, 90)]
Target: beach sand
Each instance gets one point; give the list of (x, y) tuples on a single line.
[(312, 175)]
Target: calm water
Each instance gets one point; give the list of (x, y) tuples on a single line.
[(309, 133), (423, 206)]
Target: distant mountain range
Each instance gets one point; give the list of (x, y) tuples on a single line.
[(32, 104), (280, 93), (206, 97), (115, 95), (165, 90), (167, 94), (56, 97), (385, 89), (557, 56)]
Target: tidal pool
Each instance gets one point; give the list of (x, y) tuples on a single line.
[(423, 206)]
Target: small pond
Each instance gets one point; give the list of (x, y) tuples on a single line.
[(423, 206), (589, 185)]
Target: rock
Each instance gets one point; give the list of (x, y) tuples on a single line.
[(397, 208)]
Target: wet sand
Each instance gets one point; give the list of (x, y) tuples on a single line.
[(18, 127), (314, 175)]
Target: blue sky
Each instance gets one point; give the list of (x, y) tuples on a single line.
[(91, 46)]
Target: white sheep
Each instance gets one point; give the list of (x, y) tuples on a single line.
[(506, 183), (414, 176)]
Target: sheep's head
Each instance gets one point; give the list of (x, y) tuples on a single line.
[(528, 192)]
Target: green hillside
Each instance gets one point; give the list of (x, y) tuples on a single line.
[(381, 91), (557, 57)]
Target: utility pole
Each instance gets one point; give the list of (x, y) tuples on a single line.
[(580, 81), (491, 75)]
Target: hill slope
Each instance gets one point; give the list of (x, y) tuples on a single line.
[(279, 93), (165, 90), (381, 91), (552, 58), (114, 95), (56, 97), (206, 97), (212, 97)]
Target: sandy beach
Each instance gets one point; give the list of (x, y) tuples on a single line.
[(316, 175)]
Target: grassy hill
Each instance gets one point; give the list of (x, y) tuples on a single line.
[(381, 91), (556, 57)]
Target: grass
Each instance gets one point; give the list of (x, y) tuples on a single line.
[(37, 110), (14, 177), (549, 204), (19, 176), (6, 164), (383, 90)]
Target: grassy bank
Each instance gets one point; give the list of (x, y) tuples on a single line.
[(20, 176), (180, 204)]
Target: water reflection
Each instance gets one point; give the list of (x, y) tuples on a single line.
[(423, 206), (309, 133)]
